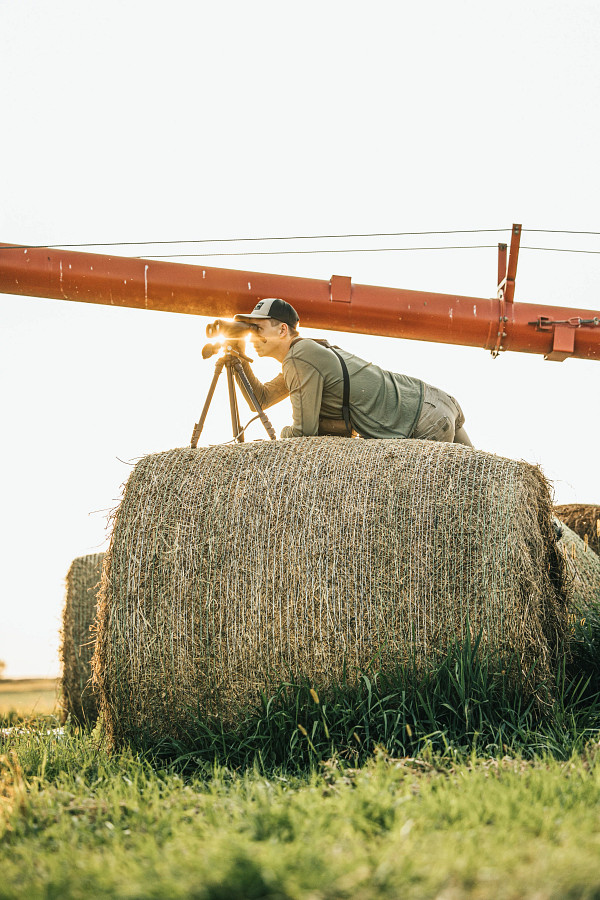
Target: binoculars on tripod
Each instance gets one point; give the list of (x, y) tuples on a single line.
[(226, 328), (231, 360)]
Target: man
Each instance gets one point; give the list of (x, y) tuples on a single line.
[(334, 392)]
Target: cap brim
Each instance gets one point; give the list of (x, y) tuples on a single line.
[(243, 317)]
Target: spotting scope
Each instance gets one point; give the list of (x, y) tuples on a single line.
[(227, 328)]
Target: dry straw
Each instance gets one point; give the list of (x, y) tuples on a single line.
[(584, 520), (231, 567), (583, 566), (82, 582)]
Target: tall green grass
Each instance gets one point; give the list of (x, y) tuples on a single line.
[(583, 656), (459, 783), (76, 823), (469, 704)]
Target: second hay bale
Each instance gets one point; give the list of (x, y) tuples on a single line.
[(231, 566), (78, 698), (584, 520), (583, 566)]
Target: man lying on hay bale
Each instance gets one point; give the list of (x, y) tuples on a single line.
[(334, 392)]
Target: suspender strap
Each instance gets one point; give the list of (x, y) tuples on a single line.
[(346, 378), (346, 394)]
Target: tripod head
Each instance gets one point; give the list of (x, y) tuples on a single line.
[(210, 349)]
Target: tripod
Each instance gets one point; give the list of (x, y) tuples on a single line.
[(231, 360)]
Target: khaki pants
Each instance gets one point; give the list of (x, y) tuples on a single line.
[(441, 418)]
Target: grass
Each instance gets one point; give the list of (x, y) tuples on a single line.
[(452, 786), (76, 822), (469, 704)]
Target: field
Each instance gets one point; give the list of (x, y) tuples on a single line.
[(77, 822), (28, 697), (454, 789)]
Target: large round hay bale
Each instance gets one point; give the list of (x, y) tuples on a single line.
[(78, 695), (583, 566), (236, 565), (584, 520)]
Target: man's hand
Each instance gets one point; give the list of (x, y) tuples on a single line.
[(238, 346)]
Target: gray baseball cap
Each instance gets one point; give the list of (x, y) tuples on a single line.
[(272, 308)]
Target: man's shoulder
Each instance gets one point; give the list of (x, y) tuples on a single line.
[(309, 350)]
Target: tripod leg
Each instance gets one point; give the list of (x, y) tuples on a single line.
[(200, 423), (233, 406), (252, 397)]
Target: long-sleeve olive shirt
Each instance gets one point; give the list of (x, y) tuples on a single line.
[(382, 404)]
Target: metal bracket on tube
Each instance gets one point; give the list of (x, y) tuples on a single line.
[(506, 285), (340, 289)]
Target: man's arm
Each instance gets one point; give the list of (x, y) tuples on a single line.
[(267, 394), (305, 384)]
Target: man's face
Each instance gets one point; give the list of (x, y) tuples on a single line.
[(267, 336)]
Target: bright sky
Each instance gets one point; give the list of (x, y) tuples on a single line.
[(131, 121)]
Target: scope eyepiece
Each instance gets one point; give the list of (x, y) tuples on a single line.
[(226, 328)]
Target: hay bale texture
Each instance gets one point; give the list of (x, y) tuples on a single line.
[(232, 566), (77, 693), (584, 520), (583, 566)]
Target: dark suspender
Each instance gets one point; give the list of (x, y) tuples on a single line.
[(346, 394), (346, 378)]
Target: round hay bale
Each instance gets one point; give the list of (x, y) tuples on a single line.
[(583, 566), (584, 520), (233, 566), (82, 582)]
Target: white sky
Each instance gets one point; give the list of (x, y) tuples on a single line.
[(140, 121)]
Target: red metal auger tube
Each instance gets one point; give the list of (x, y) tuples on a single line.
[(338, 304)]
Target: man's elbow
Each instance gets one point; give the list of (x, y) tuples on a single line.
[(291, 431)]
